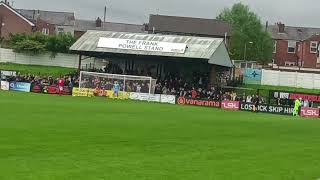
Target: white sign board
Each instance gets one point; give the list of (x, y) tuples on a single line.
[(145, 97), (142, 45), (168, 99), (153, 97), (5, 85), (5, 73)]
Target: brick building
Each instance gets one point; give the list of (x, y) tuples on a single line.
[(295, 46), (29, 21), (50, 22), (308, 52), (12, 21)]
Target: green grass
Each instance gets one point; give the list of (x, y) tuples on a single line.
[(45, 137), (37, 70)]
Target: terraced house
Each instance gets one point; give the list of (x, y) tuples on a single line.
[(28, 21), (295, 46)]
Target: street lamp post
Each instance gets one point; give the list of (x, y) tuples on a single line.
[(245, 52)]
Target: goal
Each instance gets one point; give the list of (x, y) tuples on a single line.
[(102, 84)]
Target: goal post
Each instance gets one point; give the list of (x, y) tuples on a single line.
[(103, 84)]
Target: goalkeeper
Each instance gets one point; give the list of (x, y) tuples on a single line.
[(116, 89), (297, 105)]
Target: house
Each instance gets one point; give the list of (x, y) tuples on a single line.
[(11, 21), (82, 26), (160, 24), (295, 46), (308, 52), (50, 22)]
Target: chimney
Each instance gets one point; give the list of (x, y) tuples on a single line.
[(34, 15), (281, 27), (105, 14), (98, 22)]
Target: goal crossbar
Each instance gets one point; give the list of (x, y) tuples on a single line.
[(128, 83)]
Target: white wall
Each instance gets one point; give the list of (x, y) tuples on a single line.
[(62, 60), (290, 79)]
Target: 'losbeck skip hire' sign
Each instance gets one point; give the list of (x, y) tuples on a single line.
[(141, 45)]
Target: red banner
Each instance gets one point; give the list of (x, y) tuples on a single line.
[(230, 105), (309, 97), (55, 90), (310, 112)]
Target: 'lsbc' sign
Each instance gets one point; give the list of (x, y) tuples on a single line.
[(230, 105), (310, 112)]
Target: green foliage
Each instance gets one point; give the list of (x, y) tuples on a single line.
[(16, 38), (39, 37), (38, 43), (60, 43), (247, 27), (29, 46)]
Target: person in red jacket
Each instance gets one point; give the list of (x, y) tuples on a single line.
[(61, 85), (194, 93)]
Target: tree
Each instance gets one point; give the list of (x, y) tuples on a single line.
[(16, 38), (246, 28), (39, 43), (60, 43), (29, 46)]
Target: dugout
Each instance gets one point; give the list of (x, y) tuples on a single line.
[(156, 53)]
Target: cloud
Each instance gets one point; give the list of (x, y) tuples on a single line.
[(290, 12)]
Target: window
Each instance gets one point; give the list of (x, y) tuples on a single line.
[(292, 46), (313, 47), (275, 47), (45, 31), (243, 65), (60, 30)]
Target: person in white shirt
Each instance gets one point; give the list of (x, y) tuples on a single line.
[(306, 103), (138, 88), (249, 98)]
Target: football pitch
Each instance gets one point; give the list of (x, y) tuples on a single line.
[(45, 137)]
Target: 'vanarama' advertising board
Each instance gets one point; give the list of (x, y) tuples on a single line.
[(197, 102)]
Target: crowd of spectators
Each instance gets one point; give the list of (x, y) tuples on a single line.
[(198, 87), (171, 84), (69, 80)]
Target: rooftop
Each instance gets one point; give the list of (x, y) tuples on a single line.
[(52, 17), (293, 33), (211, 49), (85, 25), (189, 25)]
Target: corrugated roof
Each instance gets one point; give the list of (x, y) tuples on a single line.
[(189, 25), (56, 18), (85, 25), (197, 47), (293, 33)]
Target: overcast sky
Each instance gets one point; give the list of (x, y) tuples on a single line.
[(290, 12)]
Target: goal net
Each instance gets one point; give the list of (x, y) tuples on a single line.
[(114, 85)]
